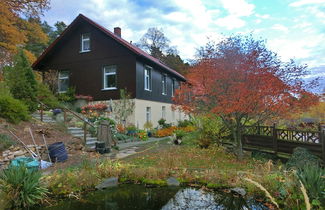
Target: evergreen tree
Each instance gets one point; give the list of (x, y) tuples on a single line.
[(21, 81)]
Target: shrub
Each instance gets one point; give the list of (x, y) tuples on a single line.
[(180, 134), (312, 176), (12, 109), (121, 136), (46, 96), (5, 142), (142, 134), (302, 157), (162, 123), (21, 187), (21, 81), (148, 125), (166, 131), (184, 123), (68, 96)]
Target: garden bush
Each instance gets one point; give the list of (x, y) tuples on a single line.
[(162, 123), (21, 187), (302, 157), (184, 123), (5, 142), (21, 81), (13, 110), (312, 177), (68, 96), (46, 96)]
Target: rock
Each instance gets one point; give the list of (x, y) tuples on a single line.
[(238, 190), (171, 181), (110, 182), (11, 157)]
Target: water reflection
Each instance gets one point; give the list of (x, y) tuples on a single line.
[(193, 199), (133, 197)]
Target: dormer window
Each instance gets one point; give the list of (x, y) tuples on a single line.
[(85, 42)]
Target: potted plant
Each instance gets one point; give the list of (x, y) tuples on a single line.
[(148, 127), (131, 130)]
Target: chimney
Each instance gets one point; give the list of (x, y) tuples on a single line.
[(117, 31)]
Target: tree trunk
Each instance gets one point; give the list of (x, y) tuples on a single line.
[(237, 137)]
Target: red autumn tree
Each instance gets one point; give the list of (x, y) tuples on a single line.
[(241, 81)]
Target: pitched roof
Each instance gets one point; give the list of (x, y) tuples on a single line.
[(120, 40)]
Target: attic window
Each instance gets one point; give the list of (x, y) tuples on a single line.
[(85, 42)]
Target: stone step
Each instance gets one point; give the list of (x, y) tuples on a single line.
[(76, 131), (81, 135)]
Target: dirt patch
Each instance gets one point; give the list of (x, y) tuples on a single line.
[(53, 132)]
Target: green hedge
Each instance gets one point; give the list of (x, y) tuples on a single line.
[(13, 110)]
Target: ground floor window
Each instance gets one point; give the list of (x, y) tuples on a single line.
[(109, 77), (148, 114), (163, 112), (63, 81)]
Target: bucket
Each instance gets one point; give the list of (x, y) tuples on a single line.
[(101, 148), (57, 152)]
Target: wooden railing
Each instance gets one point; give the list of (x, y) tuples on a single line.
[(284, 140), (65, 111)]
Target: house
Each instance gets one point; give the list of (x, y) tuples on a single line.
[(98, 62)]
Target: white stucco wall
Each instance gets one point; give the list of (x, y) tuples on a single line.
[(138, 117), (156, 113)]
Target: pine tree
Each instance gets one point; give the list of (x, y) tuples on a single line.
[(21, 80)]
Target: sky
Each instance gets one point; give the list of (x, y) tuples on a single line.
[(294, 29)]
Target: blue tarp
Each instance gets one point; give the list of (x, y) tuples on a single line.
[(29, 162)]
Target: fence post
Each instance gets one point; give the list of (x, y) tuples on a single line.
[(275, 139), (85, 132), (322, 141), (42, 112)]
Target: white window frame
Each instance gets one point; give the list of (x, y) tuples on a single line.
[(107, 74), (83, 39), (60, 77), (147, 76), (163, 112), (148, 114), (164, 84)]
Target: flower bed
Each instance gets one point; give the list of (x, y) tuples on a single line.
[(170, 131)]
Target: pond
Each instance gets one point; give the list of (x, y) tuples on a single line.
[(126, 197)]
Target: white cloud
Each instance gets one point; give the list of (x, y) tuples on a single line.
[(236, 9), (280, 27), (300, 3), (231, 22)]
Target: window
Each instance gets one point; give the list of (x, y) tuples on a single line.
[(164, 84), (163, 112), (63, 81), (109, 77), (147, 78), (173, 87), (85, 43), (148, 114)]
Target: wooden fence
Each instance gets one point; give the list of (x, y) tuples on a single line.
[(284, 140)]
